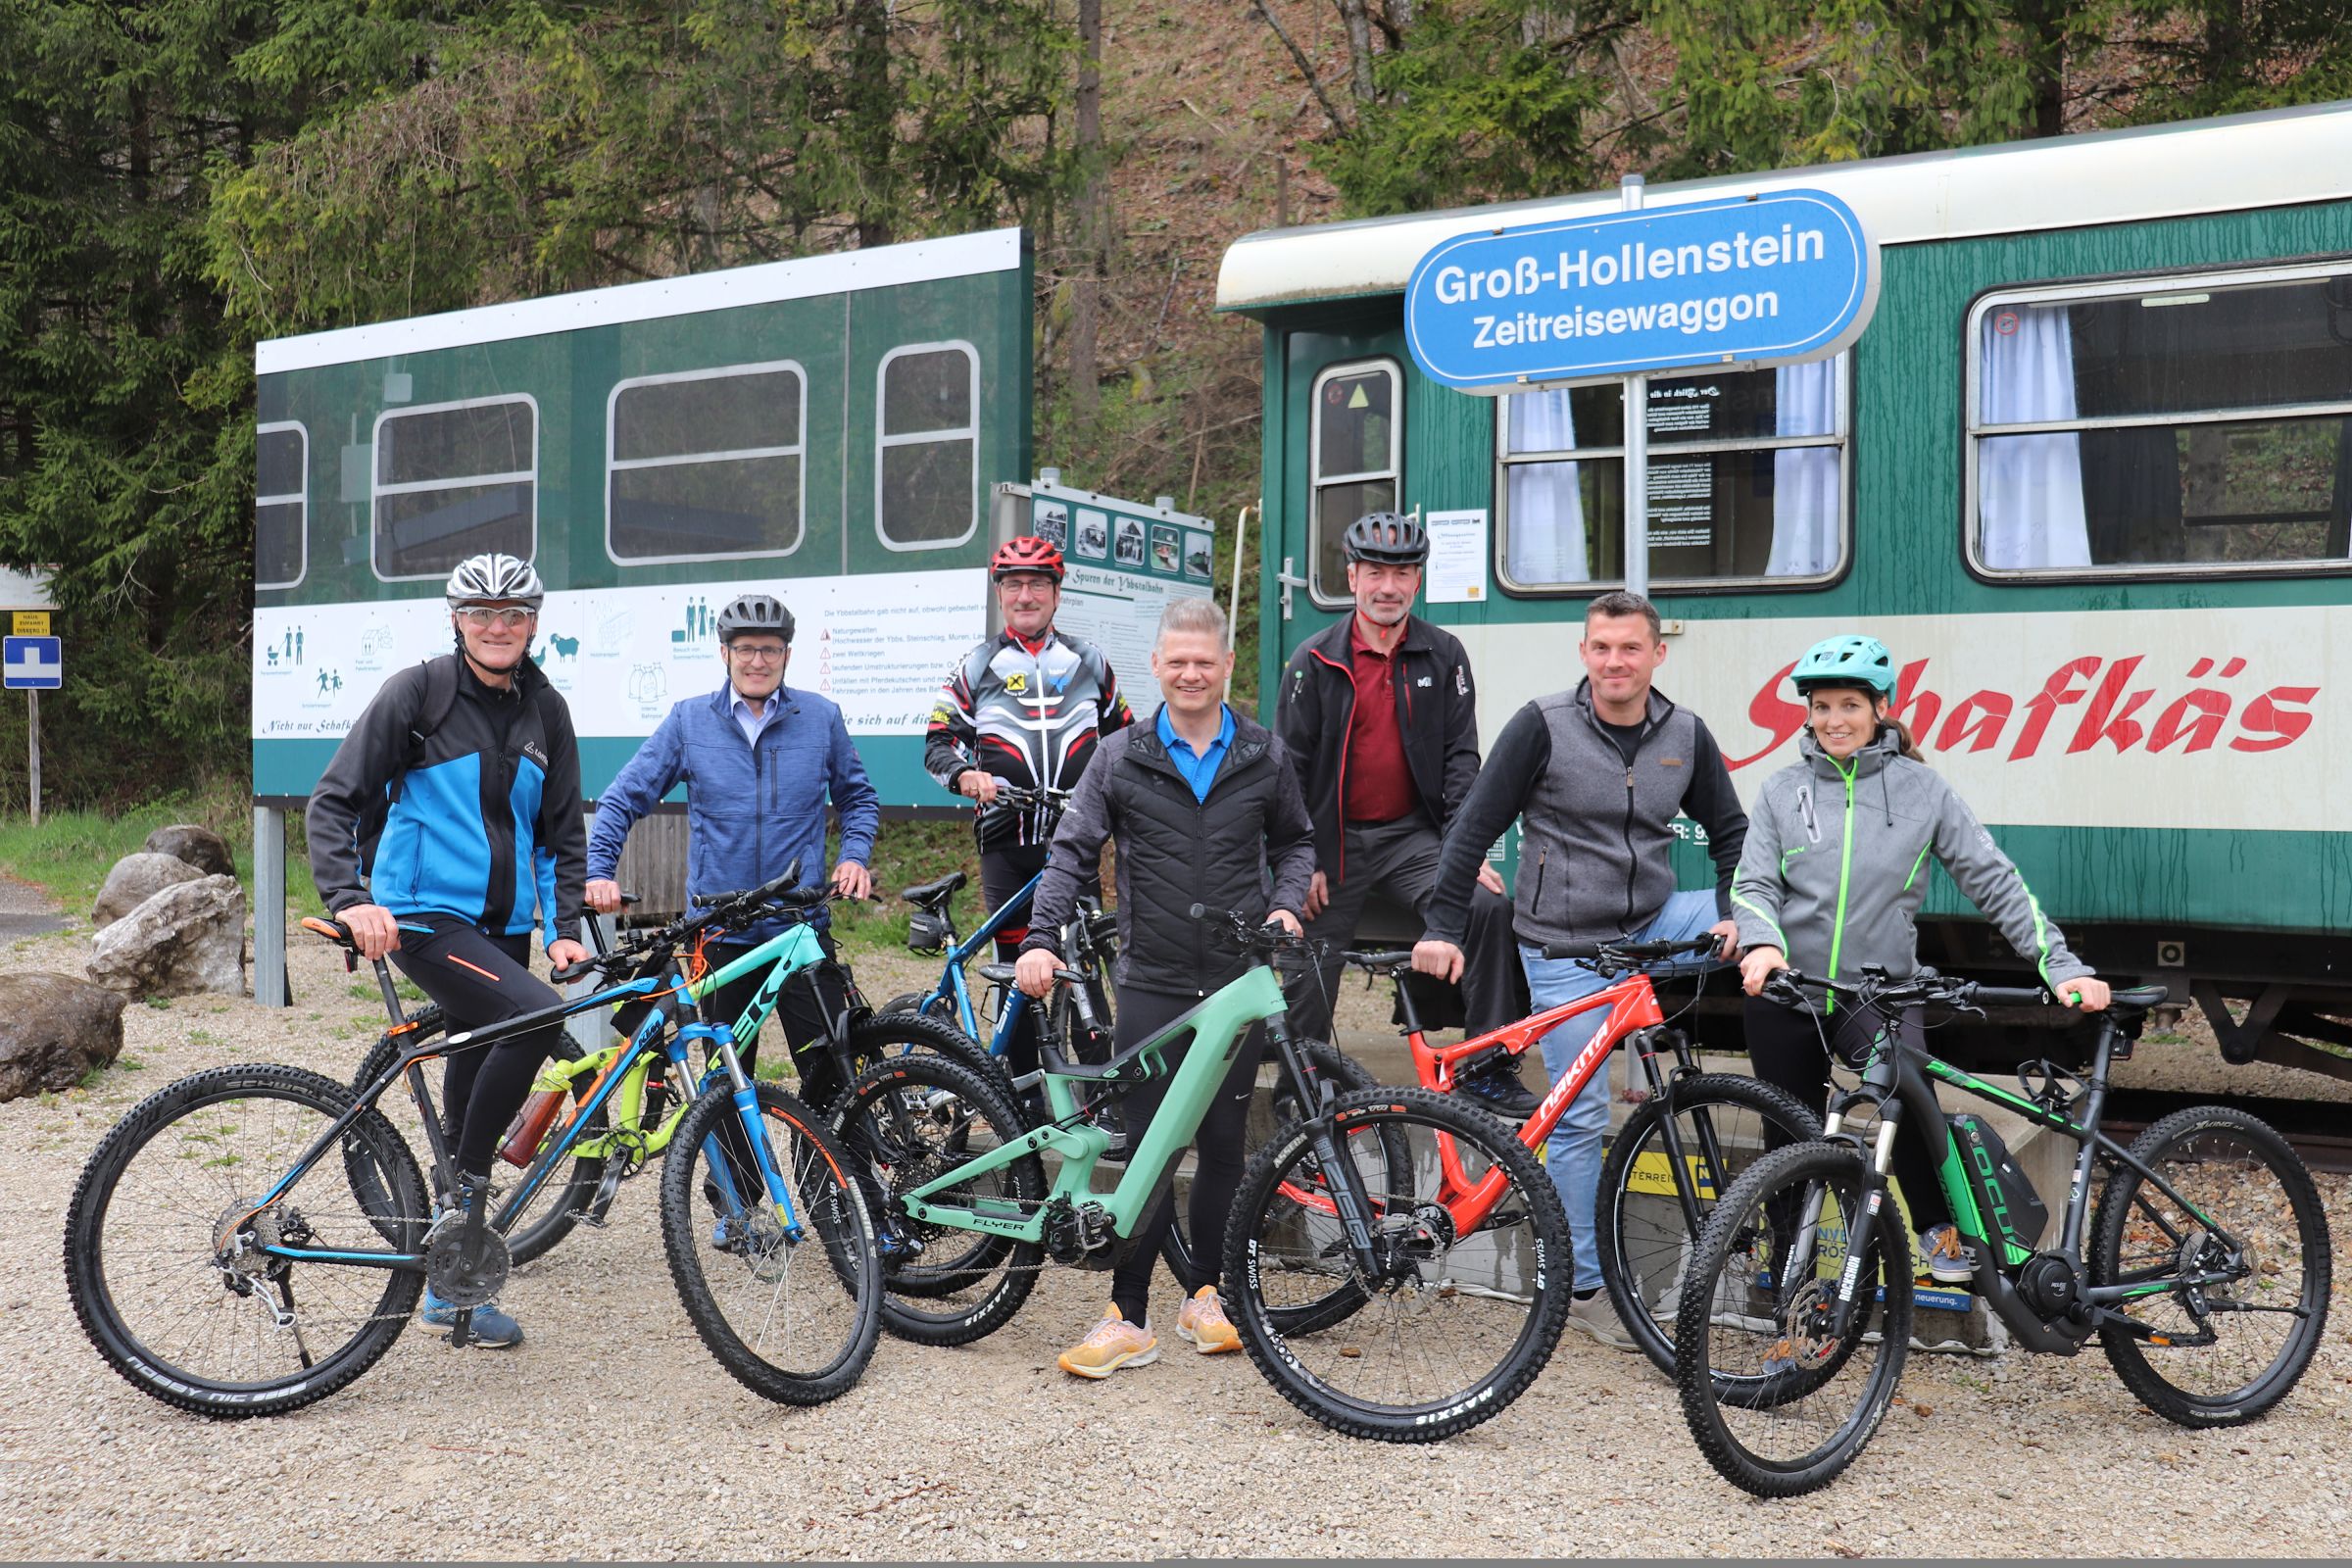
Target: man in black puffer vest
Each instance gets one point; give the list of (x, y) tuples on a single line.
[(1202, 801)]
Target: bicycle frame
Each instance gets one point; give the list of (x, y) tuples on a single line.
[(790, 952), (952, 986), (1217, 1026), (1900, 1081)]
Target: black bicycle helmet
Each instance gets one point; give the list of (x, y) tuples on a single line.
[(1388, 537), (755, 613)]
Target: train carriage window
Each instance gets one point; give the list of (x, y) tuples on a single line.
[(2185, 424), (1746, 481), (927, 446), (706, 465), (281, 505), (454, 480), (1357, 448)]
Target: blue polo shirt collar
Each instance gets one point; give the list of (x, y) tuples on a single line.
[(1199, 770)]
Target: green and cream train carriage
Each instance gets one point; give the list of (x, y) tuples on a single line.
[(830, 429), (2088, 471)]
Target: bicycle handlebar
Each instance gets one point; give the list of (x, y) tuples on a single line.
[(1929, 988), (1630, 951), (1267, 937)]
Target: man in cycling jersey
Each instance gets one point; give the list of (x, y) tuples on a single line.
[(443, 833), (1380, 718), (1597, 776), (1028, 706), (760, 760)]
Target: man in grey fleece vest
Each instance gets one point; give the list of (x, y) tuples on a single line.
[(1597, 776)]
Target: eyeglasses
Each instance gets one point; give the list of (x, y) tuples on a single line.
[(757, 656), (481, 617)]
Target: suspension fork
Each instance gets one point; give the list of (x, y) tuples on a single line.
[(1861, 1228), (1711, 1146), (746, 1098), (1345, 1183)]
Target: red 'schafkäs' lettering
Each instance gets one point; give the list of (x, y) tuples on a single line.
[(2111, 694)]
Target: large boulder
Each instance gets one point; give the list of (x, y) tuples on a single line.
[(53, 1031), (187, 939), (134, 880), (201, 846)]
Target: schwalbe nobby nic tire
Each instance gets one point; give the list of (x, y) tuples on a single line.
[(389, 1160)]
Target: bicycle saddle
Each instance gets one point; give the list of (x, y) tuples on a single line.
[(2133, 999), (931, 893)]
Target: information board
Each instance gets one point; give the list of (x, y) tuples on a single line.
[(1126, 561)]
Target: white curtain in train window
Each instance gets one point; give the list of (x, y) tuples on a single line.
[(2029, 487), (1548, 505), (1805, 479)]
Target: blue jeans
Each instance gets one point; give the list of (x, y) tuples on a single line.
[(1572, 1152)]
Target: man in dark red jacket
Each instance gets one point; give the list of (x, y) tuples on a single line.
[(1379, 715)]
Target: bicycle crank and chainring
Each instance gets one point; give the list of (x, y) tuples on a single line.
[(452, 1280)]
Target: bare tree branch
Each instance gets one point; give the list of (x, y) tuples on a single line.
[(1306, 68)]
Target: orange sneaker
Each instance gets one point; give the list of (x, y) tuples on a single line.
[(1114, 1342), (1203, 1321)]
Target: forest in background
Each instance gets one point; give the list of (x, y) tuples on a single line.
[(181, 178)]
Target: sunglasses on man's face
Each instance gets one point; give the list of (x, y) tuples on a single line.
[(483, 616)]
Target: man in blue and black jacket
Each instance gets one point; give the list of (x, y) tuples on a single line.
[(759, 762), (444, 833)]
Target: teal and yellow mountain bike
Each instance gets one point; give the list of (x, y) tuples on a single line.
[(251, 1239), (1369, 1292), (2204, 1274)]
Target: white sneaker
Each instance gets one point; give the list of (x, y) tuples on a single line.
[(1596, 1317)]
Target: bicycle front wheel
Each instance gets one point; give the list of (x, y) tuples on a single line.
[(167, 1240), (1779, 1398), (2229, 1280), (792, 1316), (1719, 1125), (1447, 1324)]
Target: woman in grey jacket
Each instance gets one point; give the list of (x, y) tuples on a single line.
[(1831, 877)]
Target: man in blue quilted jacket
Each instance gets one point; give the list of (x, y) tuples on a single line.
[(759, 762)]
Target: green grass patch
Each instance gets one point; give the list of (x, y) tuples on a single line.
[(904, 854), (70, 853)]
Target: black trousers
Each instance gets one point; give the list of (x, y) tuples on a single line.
[(1004, 871), (1785, 1048), (479, 979), (1400, 859), (1218, 1147), (804, 1007)]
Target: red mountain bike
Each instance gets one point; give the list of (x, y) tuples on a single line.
[(1678, 1151)]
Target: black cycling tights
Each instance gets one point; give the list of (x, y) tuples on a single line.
[(479, 980), (1218, 1167)]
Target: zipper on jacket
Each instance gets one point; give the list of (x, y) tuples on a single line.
[(1846, 867)]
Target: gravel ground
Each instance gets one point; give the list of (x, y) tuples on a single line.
[(989, 1451)]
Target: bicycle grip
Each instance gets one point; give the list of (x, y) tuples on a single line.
[(2013, 997), (572, 971), (1572, 950)]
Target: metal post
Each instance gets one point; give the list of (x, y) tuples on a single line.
[(1637, 446), (270, 987), (1233, 603), (32, 742)]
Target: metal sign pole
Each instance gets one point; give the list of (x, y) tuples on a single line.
[(32, 741), (1637, 446)]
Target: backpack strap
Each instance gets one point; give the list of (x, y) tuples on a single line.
[(440, 695)]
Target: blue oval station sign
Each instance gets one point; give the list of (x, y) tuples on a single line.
[(1748, 280)]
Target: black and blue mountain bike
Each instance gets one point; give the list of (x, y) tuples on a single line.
[(250, 1239)]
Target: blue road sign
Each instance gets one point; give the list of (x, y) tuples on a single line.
[(31, 663), (1763, 280)]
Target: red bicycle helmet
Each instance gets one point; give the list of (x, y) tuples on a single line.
[(1026, 554)]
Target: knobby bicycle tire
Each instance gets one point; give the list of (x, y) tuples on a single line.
[(2132, 1214), (833, 1272), (388, 1202), (1429, 1286), (908, 1120), (1721, 1266), (1648, 1307)]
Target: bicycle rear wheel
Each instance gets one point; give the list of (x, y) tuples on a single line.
[(1778, 1402), (1722, 1125), (908, 1121), (165, 1239), (1448, 1327), (794, 1319), (2233, 1348)]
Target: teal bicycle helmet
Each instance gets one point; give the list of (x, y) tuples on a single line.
[(1848, 661)]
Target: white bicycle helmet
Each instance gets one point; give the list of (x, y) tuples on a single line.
[(494, 579)]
